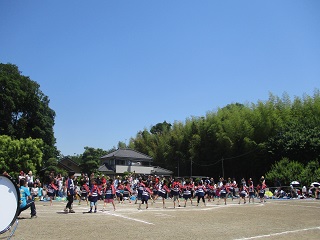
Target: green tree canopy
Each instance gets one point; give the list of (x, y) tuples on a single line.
[(20, 155), (250, 138), (24, 109), (90, 159), (285, 171)]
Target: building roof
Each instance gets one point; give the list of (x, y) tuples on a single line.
[(69, 165), (161, 171), (127, 153), (105, 169)]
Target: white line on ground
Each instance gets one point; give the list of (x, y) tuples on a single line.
[(296, 205), (129, 218), (280, 233)]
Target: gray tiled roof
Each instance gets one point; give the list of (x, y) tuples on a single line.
[(103, 168), (161, 171), (127, 153)]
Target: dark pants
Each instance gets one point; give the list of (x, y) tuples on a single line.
[(70, 201), (30, 204), (201, 197)]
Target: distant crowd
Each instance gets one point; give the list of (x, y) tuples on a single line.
[(140, 189)]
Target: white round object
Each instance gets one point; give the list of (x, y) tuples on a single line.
[(9, 203)]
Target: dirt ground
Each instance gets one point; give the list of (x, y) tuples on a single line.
[(285, 219)]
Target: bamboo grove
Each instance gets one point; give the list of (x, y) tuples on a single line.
[(238, 140)]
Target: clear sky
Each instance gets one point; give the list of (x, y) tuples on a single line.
[(113, 68)]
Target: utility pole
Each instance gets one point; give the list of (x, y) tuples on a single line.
[(222, 168), (191, 167)]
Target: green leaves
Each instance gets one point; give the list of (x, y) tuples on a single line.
[(249, 137), (24, 109), (287, 171), (90, 159), (17, 155)]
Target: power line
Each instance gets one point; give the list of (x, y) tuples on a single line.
[(222, 159)]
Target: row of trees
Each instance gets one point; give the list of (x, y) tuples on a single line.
[(27, 139), (285, 171), (237, 140)]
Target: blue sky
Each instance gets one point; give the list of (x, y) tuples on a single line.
[(113, 68)]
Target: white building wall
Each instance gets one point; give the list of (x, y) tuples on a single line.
[(136, 169)]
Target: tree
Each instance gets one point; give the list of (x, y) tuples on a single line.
[(24, 109), (311, 173), (90, 160), (20, 155), (285, 171), (160, 128), (250, 138)]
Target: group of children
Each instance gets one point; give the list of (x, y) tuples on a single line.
[(145, 189)]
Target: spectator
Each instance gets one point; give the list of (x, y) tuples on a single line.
[(34, 191), (21, 175), (25, 198), (29, 178)]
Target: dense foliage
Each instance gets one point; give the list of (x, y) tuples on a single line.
[(237, 140), (24, 109), (23, 154), (267, 137), (90, 159), (25, 116)]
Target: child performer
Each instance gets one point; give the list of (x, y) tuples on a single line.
[(140, 187), (175, 190), (162, 192), (52, 188), (243, 193), (251, 191), (146, 192), (93, 196), (84, 192), (262, 189), (187, 188), (223, 192), (155, 189), (70, 192), (126, 192), (200, 189), (109, 192), (119, 192)]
